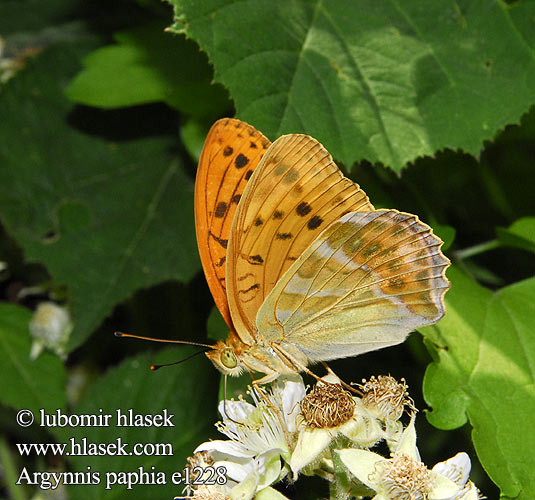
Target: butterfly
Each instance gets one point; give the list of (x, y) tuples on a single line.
[(300, 265)]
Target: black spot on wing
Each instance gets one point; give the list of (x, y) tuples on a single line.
[(248, 174), (250, 289), (278, 214), (241, 160), (303, 209), (314, 222), (221, 241), (255, 259), (228, 151), (236, 198), (283, 236), (220, 209)]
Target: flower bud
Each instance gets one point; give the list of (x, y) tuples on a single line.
[(50, 328)]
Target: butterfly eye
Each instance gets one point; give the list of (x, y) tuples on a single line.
[(228, 358)]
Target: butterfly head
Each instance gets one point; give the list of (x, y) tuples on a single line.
[(225, 357)]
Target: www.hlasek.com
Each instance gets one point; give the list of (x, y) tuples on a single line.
[(84, 447)]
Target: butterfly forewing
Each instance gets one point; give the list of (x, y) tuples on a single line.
[(366, 282), (231, 153), (295, 193)]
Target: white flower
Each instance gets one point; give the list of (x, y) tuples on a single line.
[(50, 327), (457, 469), (330, 412), (401, 477), (260, 434), (386, 398)]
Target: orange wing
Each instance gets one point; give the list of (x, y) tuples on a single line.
[(231, 152), (296, 192)]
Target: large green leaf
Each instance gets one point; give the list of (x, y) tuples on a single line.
[(385, 81), (27, 384), (105, 218), (184, 391), (148, 65), (484, 371)]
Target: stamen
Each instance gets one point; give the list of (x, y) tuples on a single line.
[(327, 405), (404, 478), (387, 395)]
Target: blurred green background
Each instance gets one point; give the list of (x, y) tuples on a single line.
[(103, 113)]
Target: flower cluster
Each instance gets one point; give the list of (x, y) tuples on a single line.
[(328, 432)]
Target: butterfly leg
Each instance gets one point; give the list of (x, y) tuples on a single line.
[(266, 379), (292, 361), (347, 386)]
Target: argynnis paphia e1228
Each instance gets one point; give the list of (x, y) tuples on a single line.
[(300, 264)]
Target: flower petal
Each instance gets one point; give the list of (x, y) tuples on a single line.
[(235, 410), (292, 391), (407, 442), (270, 494), (246, 489), (470, 492), (456, 468), (362, 429), (362, 464), (269, 467), (235, 471), (310, 444), (227, 448), (443, 488)]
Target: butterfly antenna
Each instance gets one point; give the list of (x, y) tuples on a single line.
[(167, 341), (157, 367)]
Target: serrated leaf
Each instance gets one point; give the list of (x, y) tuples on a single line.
[(387, 82), (148, 65), (105, 218), (184, 391), (520, 234), (483, 371), (27, 384)]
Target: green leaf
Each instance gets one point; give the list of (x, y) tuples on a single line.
[(446, 234), (105, 218), (184, 391), (483, 370), (193, 134), (148, 65), (388, 82), (27, 384), (520, 234), (216, 327)]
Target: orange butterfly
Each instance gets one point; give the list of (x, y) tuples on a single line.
[(300, 264)]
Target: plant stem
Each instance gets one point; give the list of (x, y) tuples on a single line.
[(476, 249), (342, 485)]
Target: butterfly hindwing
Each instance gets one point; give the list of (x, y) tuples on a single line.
[(366, 282), (294, 194), (231, 153)]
